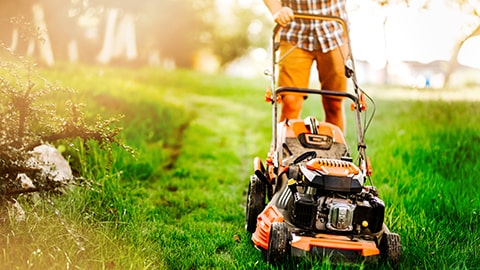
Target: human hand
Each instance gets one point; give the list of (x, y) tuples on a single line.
[(283, 16)]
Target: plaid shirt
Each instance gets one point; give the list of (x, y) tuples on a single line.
[(315, 34)]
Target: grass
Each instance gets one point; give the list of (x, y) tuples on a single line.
[(431, 186), (178, 203)]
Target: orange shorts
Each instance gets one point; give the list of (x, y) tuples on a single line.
[(294, 68)]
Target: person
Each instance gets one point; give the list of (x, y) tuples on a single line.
[(304, 41)]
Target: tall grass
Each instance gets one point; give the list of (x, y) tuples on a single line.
[(426, 170), (178, 202)]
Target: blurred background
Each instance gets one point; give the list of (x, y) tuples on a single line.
[(419, 43)]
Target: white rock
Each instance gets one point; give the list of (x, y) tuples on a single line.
[(26, 182), (49, 159)]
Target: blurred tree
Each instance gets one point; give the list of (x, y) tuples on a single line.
[(384, 4), (229, 38), (175, 29), (62, 20), (119, 40), (238, 29), (469, 8), (119, 30), (14, 16), (43, 42), (23, 24)]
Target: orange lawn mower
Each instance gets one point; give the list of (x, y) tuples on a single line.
[(312, 198)]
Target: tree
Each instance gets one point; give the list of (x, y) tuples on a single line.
[(384, 4), (44, 45), (25, 20), (175, 29), (64, 31), (119, 39), (237, 30), (124, 30), (470, 8)]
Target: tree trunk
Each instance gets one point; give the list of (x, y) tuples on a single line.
[(106, 53), (72, 48), (125, 40), (44, 45), (453, 62), (120, 38), (15, 37), (385, 45)]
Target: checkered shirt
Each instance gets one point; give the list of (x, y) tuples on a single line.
[(315, 34)]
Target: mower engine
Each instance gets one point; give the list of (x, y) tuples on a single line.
[(328, 195)]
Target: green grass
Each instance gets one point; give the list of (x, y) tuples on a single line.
[(427, 174), (178, 203)]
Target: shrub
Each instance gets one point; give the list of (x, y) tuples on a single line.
[(35, 111)]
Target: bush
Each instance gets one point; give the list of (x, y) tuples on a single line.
[(35, 112)]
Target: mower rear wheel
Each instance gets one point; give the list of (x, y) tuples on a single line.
[(255, 202), (391, 249), (278, 242)]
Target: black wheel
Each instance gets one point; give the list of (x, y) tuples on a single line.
[(278, 242), (255, 202), (391, 249)]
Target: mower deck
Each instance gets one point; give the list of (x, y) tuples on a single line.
[(321, 244)]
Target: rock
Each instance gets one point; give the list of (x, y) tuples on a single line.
[(26, 182), (15, 210), (49, 159)]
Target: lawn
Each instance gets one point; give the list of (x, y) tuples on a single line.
[(178, 202)]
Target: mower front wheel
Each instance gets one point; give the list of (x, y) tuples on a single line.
[(255, 202), (278, 242), (391, 249)]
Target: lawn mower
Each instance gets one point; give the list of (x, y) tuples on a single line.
[(312, 198)]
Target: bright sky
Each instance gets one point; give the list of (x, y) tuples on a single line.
[(411, 34)]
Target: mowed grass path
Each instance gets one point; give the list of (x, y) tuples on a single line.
[(179, 204)]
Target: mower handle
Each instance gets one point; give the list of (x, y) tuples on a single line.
[(277, 27), (284, 89)]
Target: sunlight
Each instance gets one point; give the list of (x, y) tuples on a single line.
[(469, 54), (411, 34)]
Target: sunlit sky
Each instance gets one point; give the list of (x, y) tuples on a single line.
[(411, 34)]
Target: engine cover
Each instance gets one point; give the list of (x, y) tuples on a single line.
[(333, 175)]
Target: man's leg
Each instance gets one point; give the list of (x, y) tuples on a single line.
[(291, 107), (334, 111), (331, 69), (294, 72)]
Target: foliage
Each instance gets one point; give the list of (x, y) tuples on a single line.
[(175, 30), (34, 112), (237, 30)]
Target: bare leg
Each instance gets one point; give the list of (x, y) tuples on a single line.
[(334, 111), (292, 107)]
